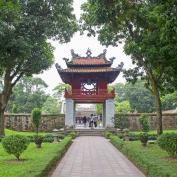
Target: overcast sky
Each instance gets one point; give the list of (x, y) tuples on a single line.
[(80, 44)]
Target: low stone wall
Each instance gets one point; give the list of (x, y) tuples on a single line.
[(169, 120), (23, 122)]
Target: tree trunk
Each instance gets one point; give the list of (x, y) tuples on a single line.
[(158, 108), (2, 133)]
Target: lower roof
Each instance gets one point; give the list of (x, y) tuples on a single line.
[(88, 70)]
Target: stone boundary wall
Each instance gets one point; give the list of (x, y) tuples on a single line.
[(23, 122), (169, 120)]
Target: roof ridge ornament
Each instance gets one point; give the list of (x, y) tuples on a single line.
[(66, 60), (120, 66), (112, 59), (58, 67), (88, 53), (74, 55), (103, 54)]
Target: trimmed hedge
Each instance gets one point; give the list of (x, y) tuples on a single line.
[(48, 138), (117, 142), (64, 145), (107, 134), (147, 159), (135, 136), (168, 142)]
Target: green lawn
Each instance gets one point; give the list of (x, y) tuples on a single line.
[(12, 132), (36, 161), (152, 160)]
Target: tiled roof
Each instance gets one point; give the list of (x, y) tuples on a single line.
[(88, 70), (88, 61)]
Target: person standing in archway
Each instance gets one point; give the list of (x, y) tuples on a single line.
[(84, 121)]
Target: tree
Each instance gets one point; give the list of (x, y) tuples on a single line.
[(148, 30), (25, 27), (99, 109), (51, 106), (58, 91), (139, 97), (169, 101), (120, 91), (29, 93), (122, 107)]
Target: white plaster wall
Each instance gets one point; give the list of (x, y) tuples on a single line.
[(109, 112), (69, 114)]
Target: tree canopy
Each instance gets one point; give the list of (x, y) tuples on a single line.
[(139, 97), (148, 31), (28, 94), (25, 27)]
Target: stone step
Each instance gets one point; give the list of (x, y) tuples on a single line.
[(90, 132), (90, 135)]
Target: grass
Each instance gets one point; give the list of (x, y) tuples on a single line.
[(12, 132), (35, 162), (152, 160)]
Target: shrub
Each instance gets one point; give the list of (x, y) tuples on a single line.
[(1, 137), (61, 136), (36, 118), (116, 141), (107, 134), (15, 144), (48, 138), (135, 136), (144, 138), (121, 121), (72, 134), (144, 122), (38, 139), (168, 142)]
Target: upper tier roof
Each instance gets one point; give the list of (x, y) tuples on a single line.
[(77, 60), (89, 65)]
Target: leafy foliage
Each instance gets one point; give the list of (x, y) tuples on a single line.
[(99, 108), (107, 134), (59, 90), (122, 107), (39, 162), (25, 27), (169, 101), (51, 106), (151, 160), (15, 144), (117, 142), (168, 142), (144, 122), (36, 118), (121, 121), (29, 93), (147, 29), (139, 97)]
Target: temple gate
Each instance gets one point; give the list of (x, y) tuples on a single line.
[(89, 78)]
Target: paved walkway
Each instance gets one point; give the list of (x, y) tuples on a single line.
[(95, 157)]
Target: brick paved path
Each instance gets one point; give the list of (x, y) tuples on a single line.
[(95, 157)]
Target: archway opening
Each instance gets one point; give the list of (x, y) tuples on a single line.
[(89, 116)]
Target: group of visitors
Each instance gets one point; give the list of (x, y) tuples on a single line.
[(91, 121)]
